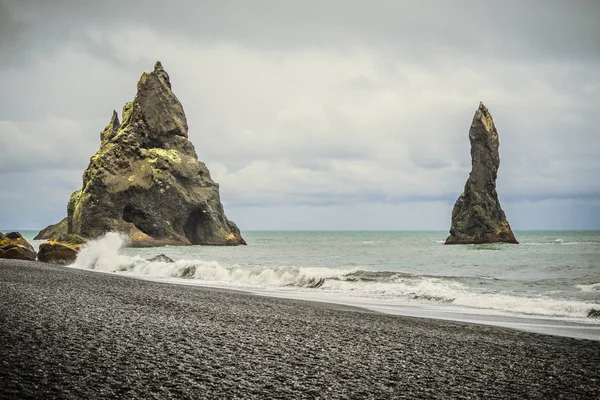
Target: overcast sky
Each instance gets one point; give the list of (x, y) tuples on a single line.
[(329, 114)]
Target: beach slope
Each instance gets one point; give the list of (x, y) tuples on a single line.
[(67, 333)]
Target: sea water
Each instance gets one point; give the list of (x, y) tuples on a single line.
[(551, 279)]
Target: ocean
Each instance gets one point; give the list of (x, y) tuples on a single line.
[(549, 283)]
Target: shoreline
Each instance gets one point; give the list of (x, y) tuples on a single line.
[(71, 333), (533, 324)]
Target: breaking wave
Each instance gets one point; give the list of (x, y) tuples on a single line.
[(594, 287), (559, 241), (104, 255)]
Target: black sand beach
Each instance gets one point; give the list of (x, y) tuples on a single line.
[(75, 334)]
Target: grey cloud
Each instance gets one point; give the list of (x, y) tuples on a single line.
[(575, 214), (314, 105), (330, 199), (551, 214), (33, 200), (45, 146), (412, 29), (429, 162)]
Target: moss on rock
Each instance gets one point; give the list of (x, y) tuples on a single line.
[(152, 155), (146, 180), (50, 231), (62, 249), (14, 246)]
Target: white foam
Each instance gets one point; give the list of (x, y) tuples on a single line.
[(427, 289), (557, 241), (103, 255), (594, 287)]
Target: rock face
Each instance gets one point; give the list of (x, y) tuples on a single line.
[(146, 180), (62, 249), (53, 230), (477, 216), (12, 245)]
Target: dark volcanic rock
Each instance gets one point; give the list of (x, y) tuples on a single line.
[(477, 216), (161, 258), (146, 180), (62, 249), (13, 246), (51, 231)]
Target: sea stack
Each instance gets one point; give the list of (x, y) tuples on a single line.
[(477, 216), (146, 180)]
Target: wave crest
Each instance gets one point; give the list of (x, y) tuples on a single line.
[(103, 255)]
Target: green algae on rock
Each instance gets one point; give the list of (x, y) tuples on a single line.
[(146, 180), (477, 216), (51, 231)]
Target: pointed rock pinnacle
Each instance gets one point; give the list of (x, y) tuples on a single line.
[(477, 216)]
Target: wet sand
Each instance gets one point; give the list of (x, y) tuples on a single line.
[(67, 333)]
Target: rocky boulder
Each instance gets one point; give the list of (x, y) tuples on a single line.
[(12, 245), (62, 249), (146, 180), (477, 216), (161, 258)]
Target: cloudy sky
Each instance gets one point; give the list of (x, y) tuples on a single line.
[(329, 114)]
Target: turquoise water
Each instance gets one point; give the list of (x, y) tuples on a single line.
[(551, 274)]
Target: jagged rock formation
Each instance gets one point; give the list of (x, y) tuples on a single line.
[(477, 216), (62, 249), (146, 180), (14, 246)]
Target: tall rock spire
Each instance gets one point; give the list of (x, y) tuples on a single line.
[(477, 216), (146, 180)]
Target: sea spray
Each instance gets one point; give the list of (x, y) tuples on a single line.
[(103, 254)]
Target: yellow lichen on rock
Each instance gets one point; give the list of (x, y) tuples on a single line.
[(153, 154), (138, 175), (14, 246), (146, 175), (486, 118), (61, 249), (143, 78), (139, 236), (127, 111), (78, 198)]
